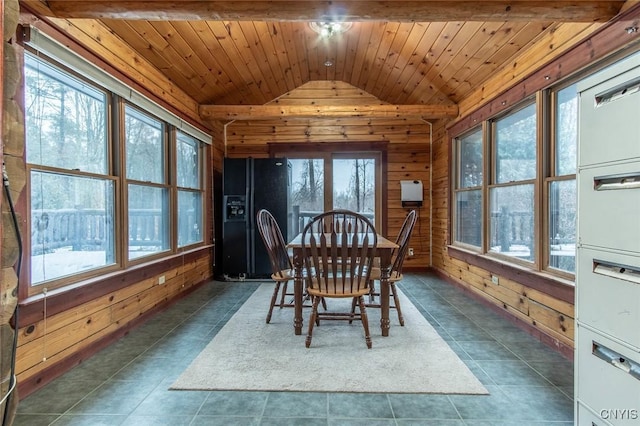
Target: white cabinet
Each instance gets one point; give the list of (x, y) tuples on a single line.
[(607, 354)]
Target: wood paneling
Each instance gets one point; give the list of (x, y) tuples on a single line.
[(78, 331), (408, 153)]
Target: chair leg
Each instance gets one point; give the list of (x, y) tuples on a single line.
[(324, 303), (365, 322), (354, 302), (312, 320), (284, 294), (274, 297), (372, 291), (396, 302)]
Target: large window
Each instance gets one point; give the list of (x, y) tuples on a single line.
[(72, 194), (111, 180), (147, 189), (511, 191), (514, 184)]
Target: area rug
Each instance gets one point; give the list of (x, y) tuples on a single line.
[(248, 354)]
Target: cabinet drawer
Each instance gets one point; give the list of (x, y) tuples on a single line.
[(609, 128), (609, 206), (603, 386), (608, 293)]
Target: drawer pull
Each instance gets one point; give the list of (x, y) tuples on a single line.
[(617, 270), (612, 357), (617, 93), (626, 181)]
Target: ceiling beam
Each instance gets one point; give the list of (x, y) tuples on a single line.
[(340, 10), (270, 112)]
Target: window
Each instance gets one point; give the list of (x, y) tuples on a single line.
[(354, 186), (189, 171), (147, 189), (113, 178), (561, 185), (468, 189), (307, 186), (72, 193), (511, 211), (514, 184)]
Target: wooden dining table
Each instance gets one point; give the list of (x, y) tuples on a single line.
[(384, 249)]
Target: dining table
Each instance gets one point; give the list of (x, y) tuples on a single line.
[(384, 250)]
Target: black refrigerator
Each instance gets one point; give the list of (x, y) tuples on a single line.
[(251, 184)]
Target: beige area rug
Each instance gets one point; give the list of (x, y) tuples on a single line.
[(248, 354)]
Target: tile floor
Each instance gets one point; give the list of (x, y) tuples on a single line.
[(127, 383)]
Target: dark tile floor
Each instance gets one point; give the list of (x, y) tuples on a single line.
[(127, 383)]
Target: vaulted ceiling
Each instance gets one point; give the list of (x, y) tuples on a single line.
[(402, 52)]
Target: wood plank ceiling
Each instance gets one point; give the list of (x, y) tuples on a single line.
[(250, 53)]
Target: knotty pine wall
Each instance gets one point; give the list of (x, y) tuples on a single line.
[(408, 151)]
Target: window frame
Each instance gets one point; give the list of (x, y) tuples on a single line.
[(458, 187), (116, 98), (545, 110), (550, 97), (177, 188), (491, 183), (165, 185)]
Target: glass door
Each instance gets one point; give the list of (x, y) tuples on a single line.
[(354, 185), (327, 181)]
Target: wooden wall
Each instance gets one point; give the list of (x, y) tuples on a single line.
[(408, 147), (65, 337)]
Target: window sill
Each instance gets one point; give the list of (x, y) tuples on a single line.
[(556, 287)]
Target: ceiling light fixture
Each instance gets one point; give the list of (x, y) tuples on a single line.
[(329, 29)]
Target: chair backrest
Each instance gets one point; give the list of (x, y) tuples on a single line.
[(402, 241), (274, 243), (331, 263)]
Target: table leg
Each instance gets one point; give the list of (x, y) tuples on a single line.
[(297, 295)]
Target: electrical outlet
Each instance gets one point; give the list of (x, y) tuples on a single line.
[(410, 251), (495, 280), (161, 279)]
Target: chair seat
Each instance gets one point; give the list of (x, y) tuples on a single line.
[(334, 290), (283, 275), (376, 274)]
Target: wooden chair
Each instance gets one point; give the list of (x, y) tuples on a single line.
[(397, 259), (281, 266), (333, 269)]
